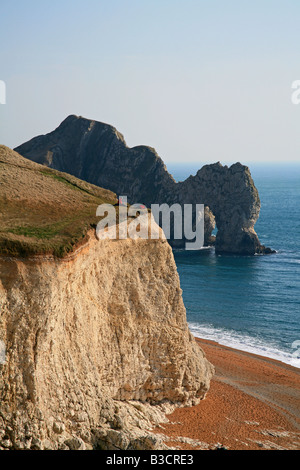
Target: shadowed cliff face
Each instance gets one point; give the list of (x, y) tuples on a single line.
[(233, 198), (97, 152)]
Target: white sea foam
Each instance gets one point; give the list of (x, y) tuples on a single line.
[(244, 343)]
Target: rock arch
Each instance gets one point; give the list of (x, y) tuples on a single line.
[(233, 200)]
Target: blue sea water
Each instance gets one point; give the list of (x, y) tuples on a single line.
[(251, 303)]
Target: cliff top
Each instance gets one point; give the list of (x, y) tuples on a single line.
[(44, 211)]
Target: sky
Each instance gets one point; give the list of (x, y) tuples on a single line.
[(200, 81)]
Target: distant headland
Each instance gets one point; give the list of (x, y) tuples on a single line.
[(97, 153)]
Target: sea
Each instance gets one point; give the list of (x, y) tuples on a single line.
[(250, 303)]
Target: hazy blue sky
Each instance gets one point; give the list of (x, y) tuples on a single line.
[(200, 81)]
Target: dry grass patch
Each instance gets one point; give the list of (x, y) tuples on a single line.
[(44, 211)]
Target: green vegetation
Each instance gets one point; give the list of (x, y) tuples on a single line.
[(68, 181), (59, 178), (43, 211), (47, 232)]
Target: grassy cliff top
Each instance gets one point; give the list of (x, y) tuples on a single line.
[(44, 211)]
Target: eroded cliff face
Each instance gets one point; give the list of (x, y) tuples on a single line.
[(97, 347)]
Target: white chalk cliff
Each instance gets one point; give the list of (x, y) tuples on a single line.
[(97, 347)]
